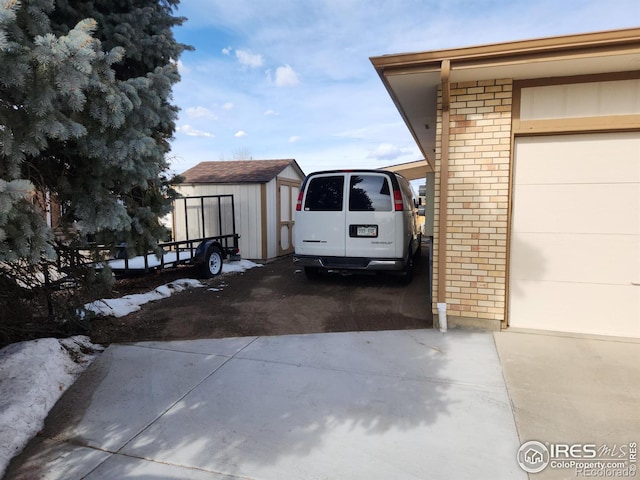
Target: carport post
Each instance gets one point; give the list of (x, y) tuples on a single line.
[(445, 71)]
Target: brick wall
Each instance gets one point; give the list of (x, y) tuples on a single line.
[(49, 208), (479, 160)]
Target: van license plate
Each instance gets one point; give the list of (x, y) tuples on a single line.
[(366, 230)]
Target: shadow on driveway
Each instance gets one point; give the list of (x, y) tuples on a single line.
[(361, 405)]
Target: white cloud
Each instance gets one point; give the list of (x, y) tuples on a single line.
[(339, 106), (294, 138), (386, 151), (200, 112), (192, 132), (253, 60), (240, 134), (286, 77), (227, 106)]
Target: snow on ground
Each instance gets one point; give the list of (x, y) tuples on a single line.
[(35, 374), (119, 307), (137, 263), (240, 266)]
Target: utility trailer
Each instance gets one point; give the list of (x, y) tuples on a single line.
[(208, 237)]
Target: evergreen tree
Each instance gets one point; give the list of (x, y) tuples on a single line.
[(85, 115)]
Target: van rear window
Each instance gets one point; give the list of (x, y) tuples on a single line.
[(369, 193), (324, 194)]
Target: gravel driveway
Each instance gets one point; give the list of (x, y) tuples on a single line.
[(277, 299)]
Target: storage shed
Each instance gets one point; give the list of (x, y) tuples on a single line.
[(264, 192)]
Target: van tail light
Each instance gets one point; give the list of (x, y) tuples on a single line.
[(299, 202), (398, 205)]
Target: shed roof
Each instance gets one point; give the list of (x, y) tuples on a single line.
[(238, 171)]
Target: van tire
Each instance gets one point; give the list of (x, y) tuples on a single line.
[(418, 252), (312, 273), (213, 261), (407, 272)]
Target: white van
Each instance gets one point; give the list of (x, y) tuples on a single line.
[(356, 220)]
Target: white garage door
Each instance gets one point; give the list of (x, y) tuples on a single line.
[(575, 244)]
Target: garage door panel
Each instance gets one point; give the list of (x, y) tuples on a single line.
[(575, 236), (579, 308), (582, 208), (607, 259), (555, 161)]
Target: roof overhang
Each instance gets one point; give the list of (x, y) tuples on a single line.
[(412, 170), (412, 79)]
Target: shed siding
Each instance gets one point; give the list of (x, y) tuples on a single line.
[(247, 202), (290, 173), (216, 220)]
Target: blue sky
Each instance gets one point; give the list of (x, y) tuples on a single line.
[(273, 79)]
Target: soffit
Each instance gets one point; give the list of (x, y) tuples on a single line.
[(412, 170), (412, 79)]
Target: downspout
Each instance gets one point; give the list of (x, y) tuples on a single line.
[(445, 71)]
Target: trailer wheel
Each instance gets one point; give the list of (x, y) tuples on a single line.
[(212, 265)]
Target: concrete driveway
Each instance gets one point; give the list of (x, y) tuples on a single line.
[(577, 392), (411, 404)]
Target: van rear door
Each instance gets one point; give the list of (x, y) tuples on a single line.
[(320, 225), (371, 217)]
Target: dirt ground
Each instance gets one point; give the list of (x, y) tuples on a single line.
[(274, 299)]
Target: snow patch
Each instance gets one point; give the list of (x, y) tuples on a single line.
[(137, 263), (234, 267), (240, 266), (120, 307), (33, 376)]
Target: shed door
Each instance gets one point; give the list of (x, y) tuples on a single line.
[(287, 196), (575, 243)]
